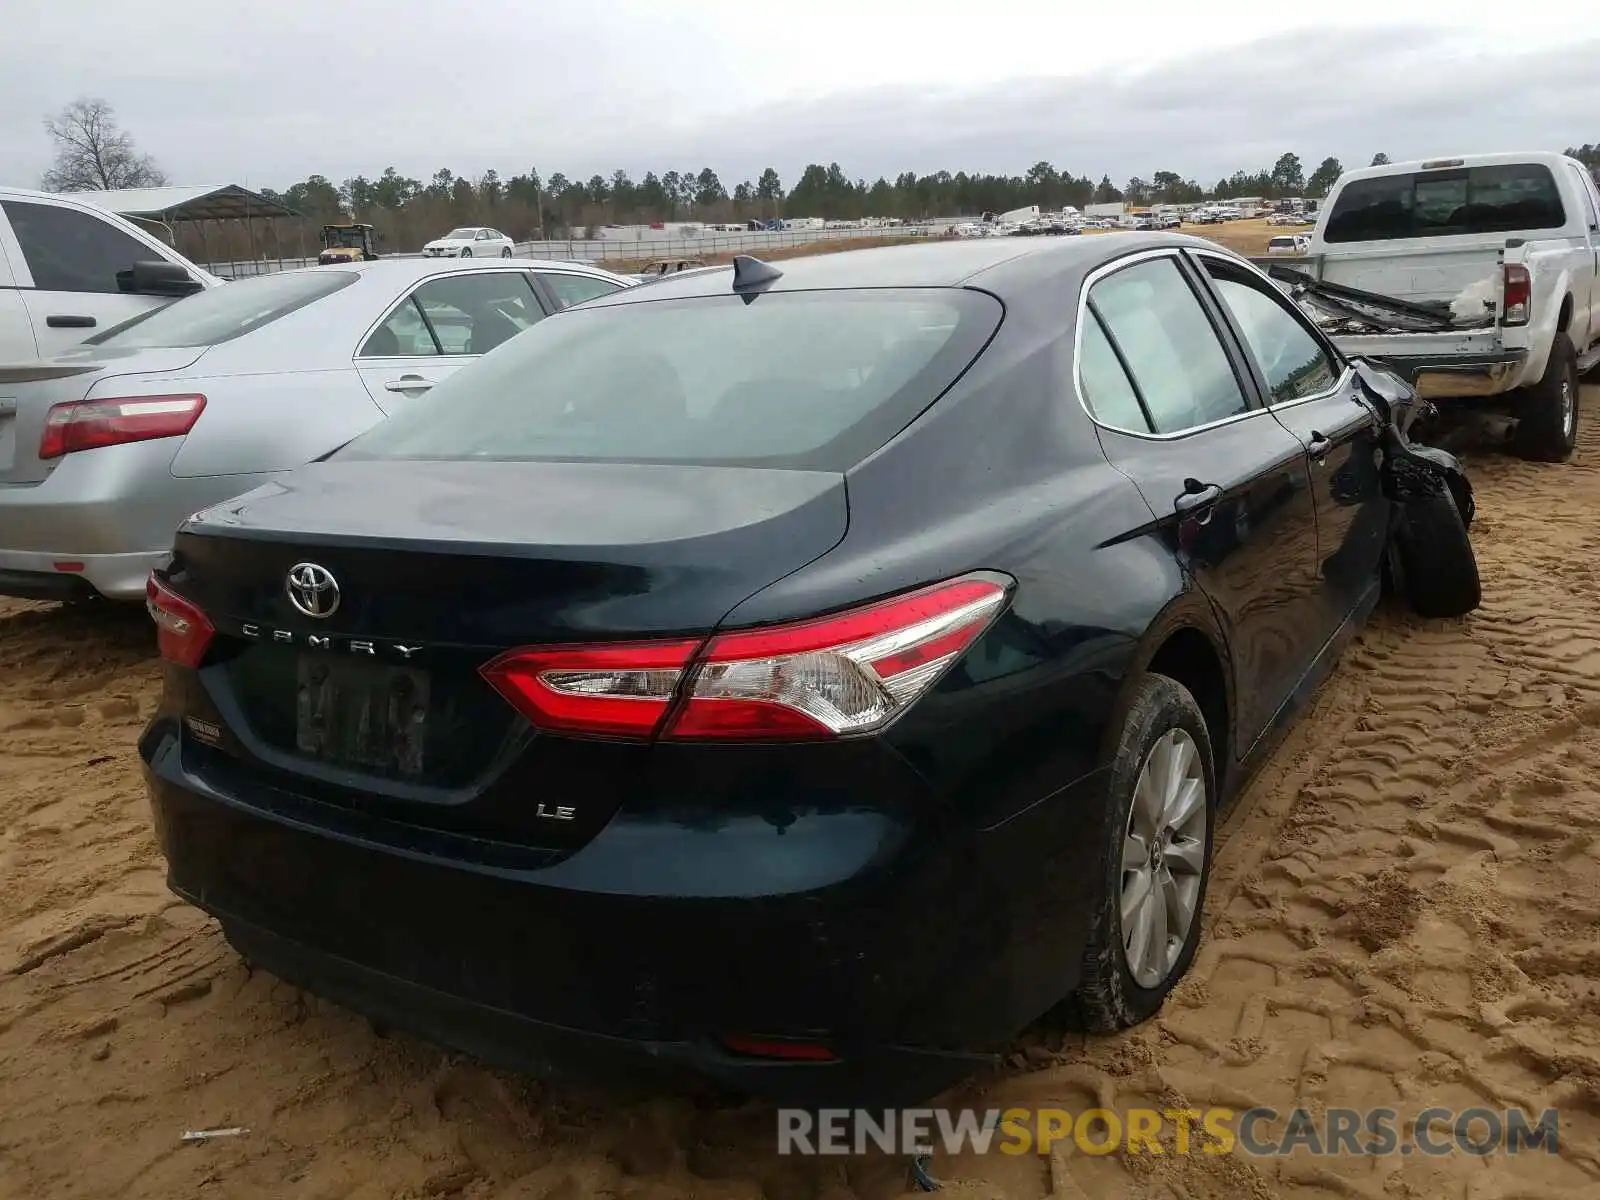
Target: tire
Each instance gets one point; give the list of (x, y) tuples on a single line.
[(466, 252), (1116, 990), (1548, 428), (506, 253), (1433, 564)]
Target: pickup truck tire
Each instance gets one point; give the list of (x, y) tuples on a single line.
[(1432, 563), (1547, 430)]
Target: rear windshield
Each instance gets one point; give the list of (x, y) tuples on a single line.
[(808, 380), (1499, 199), (221, 314)]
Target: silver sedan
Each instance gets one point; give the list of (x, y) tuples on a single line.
[(106, 449)]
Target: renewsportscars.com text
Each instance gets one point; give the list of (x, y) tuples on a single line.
[(1178, 1131)]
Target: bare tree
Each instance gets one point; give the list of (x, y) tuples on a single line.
[(93, 153)]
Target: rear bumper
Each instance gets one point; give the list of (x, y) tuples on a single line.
[(515, 1042), (913, 956), (114, 510), (1463, 376), (35, 576)]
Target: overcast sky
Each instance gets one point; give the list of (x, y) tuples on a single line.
[(266, 95)]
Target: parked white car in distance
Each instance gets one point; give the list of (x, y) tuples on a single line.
[(1290, 243), (69, 270), (471, 241)]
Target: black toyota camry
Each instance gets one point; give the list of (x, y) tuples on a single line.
[(801, 677)]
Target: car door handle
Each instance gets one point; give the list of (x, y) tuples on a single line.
[(8, 408), (1319, 447), (408, 383), (69, 321), (1197, 497)]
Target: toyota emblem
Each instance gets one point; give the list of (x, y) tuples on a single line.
[(313, 590)]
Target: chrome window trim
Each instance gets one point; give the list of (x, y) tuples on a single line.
[(1094, 277)]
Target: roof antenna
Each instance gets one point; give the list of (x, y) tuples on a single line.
[(750, 273)]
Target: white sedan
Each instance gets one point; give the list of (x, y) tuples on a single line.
[(110, 446), (471, 241)]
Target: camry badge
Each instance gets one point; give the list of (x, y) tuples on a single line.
[(313, 590)]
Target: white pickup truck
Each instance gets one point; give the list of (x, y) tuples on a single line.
[(1475, 278)]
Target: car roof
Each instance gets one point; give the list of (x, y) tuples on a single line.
[(404, 269), (995, 264)]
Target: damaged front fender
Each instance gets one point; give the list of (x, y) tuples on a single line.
[(1411, 471)]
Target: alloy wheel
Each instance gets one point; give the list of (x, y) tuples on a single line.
[(1163, 857)]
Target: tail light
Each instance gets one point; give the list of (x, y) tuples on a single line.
[(1518, 295), (847, 673), (183, 633), (617, 691), (90, 424)]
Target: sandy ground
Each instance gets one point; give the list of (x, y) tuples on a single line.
[(1249, 238), (1405, 912)]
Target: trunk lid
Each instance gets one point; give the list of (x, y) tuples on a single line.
[(29, 390), (439, 568)]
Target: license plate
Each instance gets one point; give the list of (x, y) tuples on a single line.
[(366, 715)]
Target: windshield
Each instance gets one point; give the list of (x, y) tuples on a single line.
[(460, 235), (345, 237), (809, 380), (1470, 200), (220, 314)]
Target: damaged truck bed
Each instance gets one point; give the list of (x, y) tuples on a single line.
[(1445, 348)]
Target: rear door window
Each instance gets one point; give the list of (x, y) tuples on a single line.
[(71, 251), (1463, 200), (1169, 344), (457, 315)]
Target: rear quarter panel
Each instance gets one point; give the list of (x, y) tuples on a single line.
[(273, 422), (1005, 473)]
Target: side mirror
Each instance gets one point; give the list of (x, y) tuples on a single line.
[(158, 278)]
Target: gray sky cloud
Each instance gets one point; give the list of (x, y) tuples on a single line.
[(270, 97)]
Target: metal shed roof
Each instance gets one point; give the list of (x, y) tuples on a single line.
[(216, 202)]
